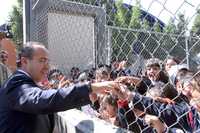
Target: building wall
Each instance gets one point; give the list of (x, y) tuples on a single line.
[(71, 40)]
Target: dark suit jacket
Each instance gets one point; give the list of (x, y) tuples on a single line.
[(25, 108)]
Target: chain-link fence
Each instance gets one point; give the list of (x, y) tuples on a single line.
[(111, 32), (87, 33), (127, 43)]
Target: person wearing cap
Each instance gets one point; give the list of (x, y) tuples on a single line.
[(26, 108), (154, 71)]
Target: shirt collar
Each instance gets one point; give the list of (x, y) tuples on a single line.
[(20, 70)]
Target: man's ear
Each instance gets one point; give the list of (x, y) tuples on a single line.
[(24, 60)]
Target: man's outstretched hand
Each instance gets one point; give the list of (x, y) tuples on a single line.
[(102, 87), (114, 87), (128, 79)]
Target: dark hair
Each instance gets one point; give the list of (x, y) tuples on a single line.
[(91, 73), (53, 72), (27, 51), (153, 62), (182, 73), (175, 59), (143, 85), (164, 90), (163, 77), (18, 61), (74, 69), (169, 91)]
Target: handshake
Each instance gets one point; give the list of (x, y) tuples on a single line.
[(116, 87)]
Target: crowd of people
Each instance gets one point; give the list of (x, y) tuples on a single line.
[(164, 98)]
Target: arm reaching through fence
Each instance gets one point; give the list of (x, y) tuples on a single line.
[(173, 115), (128, 79)]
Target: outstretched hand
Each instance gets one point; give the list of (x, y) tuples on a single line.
[(63, 82), (128, 79), (123, 92), (102, 87), (114, 87)]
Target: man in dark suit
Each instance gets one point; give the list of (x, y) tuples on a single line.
[(25, 107)]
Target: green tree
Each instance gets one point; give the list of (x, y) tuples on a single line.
[(17, 22), (121, 14), (196, 25), (170, 27), (123, 39), (157, 27), (145, 25), (182, 25), (195, 33), (135, 16)]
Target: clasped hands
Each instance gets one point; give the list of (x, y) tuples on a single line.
[(116, 87)]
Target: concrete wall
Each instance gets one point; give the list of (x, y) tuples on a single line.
[(71, 40), (75, 121)]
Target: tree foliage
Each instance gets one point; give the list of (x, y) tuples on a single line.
[(17, 22), (170, 27), (196, 25), (135, 21)]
